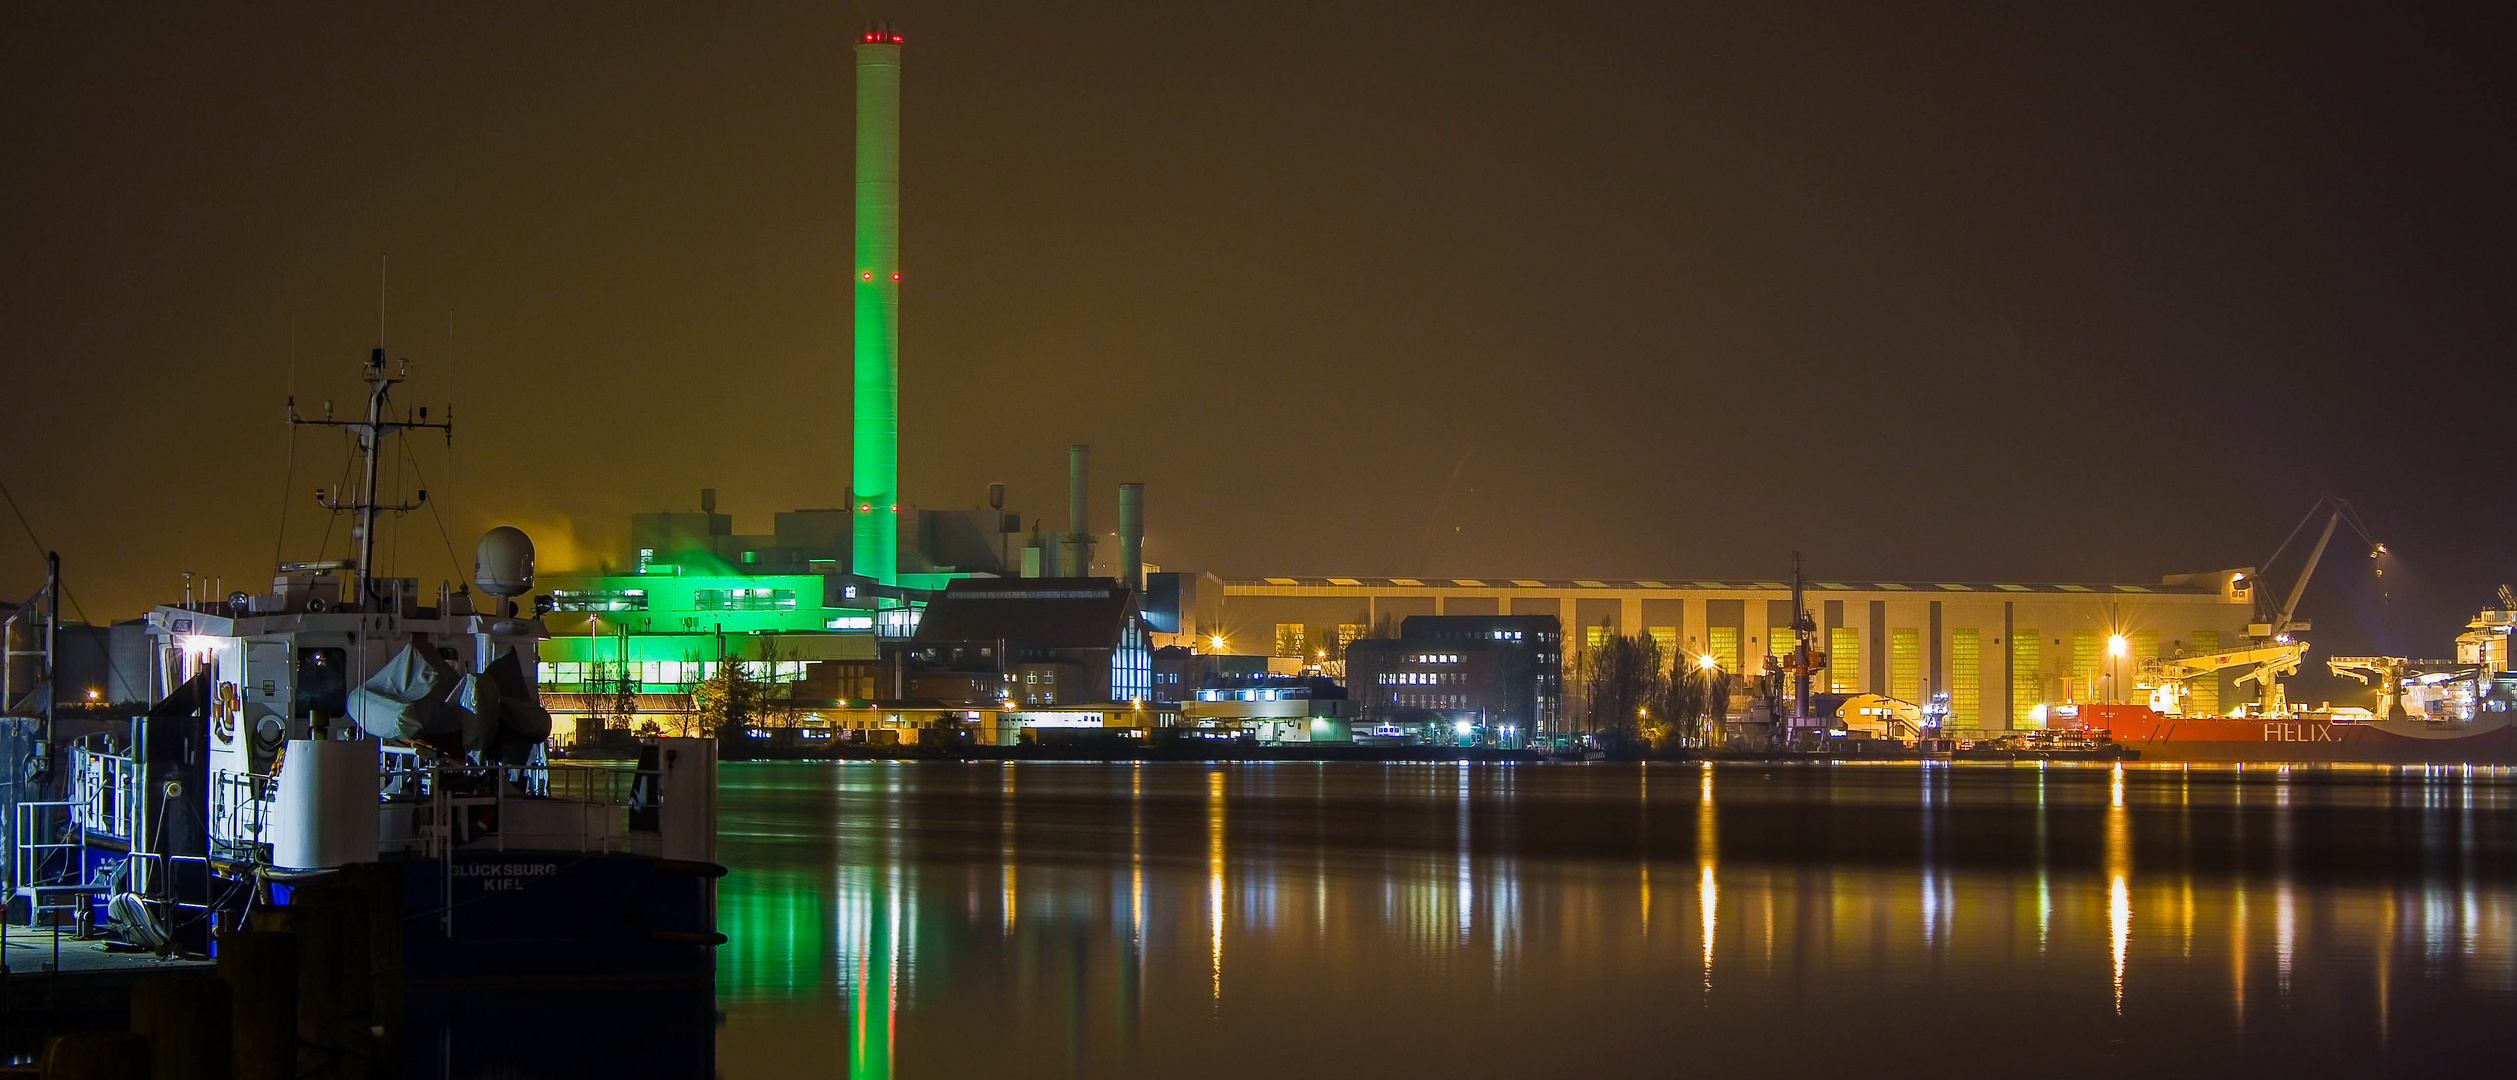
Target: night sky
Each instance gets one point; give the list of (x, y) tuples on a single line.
[(1974, 292)]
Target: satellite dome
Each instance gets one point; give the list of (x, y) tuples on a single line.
[(503, 563)]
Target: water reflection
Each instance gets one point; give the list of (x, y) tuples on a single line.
[(1073, 920)]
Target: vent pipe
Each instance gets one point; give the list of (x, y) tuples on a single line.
[(1132, 535), (1078, 561)]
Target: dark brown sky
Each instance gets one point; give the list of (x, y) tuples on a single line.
[(1989, 291)]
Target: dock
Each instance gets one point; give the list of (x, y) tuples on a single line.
[(57, 981)]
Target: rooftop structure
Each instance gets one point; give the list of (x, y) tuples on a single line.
[(1028, 641)]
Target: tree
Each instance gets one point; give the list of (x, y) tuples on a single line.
[(1626, 685), (1580, 662), (1716, 702), (745, 693), (1682, 701), (612, 694), (727, 699)]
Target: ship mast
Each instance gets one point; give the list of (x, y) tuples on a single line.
[(371, 433)]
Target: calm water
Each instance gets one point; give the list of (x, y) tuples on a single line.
[(1368, 920)]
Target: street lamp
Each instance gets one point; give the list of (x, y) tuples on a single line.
[(2116, 647)]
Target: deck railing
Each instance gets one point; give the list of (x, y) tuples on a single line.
[(105, 793)]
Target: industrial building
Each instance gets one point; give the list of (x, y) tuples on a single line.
[(1272, 709), (1999, 650), (1492, 678), (831, 599), (1023, 641)]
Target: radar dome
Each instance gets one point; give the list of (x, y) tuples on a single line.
[(503, 563)]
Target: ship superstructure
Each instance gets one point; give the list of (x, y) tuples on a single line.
[(345, 719)]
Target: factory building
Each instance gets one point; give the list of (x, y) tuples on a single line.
[(2000, 651), (690, 593), (1494, 677), (1014, 656), (1180, 671), (1272, 710)]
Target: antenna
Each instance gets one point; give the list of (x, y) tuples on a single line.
[(383, 264), (450, 384), (371, 433)]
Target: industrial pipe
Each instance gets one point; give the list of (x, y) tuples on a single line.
[(1078, 561), (1132, 535)]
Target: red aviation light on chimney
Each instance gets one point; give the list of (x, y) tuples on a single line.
[(895, 275), (869, 275)]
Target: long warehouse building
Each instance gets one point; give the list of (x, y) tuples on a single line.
[(1999, 650)]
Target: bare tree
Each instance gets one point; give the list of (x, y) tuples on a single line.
[(1683, 701), (1716, 703), (1625, 687)]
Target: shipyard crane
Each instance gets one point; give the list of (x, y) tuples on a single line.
[(2274, 651), (2167, 677), (2383, 673)]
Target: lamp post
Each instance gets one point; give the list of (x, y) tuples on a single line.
[(2115, 649)]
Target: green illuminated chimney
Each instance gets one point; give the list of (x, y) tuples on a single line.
[(876, 465)]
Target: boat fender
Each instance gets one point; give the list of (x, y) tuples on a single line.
[(689, 868), (687, 937)]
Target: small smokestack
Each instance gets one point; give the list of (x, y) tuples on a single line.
[(707, 500), (1132, 535), (1037, 554), (1078, 561)]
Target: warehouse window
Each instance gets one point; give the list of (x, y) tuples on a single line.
[(1596, 636), (1905, 664), (1667, 638), (1289, 639), (2145, 645), (1780, 641), (1724, 646), (2088, 649), (2027, 680), (1966, 675), (2202, 696), (1844, 660), (742, 599)]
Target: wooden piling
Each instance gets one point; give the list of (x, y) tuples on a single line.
[(261, 968), (188, 1019), (96, 1055)]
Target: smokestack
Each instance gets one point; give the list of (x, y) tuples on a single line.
[(875, 465), (707, 500), (1132, 535), (1078, 561)]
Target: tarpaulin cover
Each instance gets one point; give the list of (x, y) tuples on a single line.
[(530, 722), (479, 697), (407, 697)]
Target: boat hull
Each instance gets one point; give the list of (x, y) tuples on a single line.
[(555, 918), (563, 916), (2400, 742)]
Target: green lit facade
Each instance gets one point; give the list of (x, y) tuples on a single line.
[(670, 626)]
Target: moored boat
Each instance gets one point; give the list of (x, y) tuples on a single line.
[(344, 727)]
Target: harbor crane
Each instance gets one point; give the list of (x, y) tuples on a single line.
[(2274, 650), (2481, 651)]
